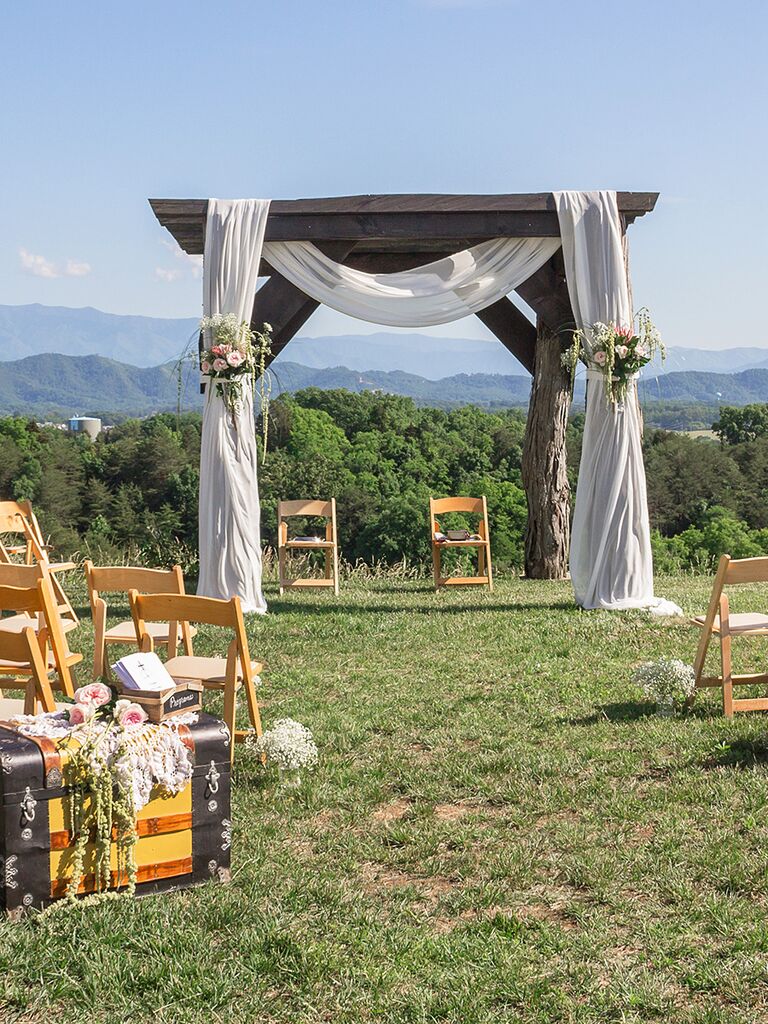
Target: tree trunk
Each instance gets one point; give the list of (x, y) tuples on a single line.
[(545, 475)]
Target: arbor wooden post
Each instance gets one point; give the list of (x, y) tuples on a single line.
[(545, 471)]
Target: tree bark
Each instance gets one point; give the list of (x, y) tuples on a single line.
[(545, 474)]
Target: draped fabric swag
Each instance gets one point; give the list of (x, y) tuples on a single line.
[(436, 293), (229, 517), (611, 559)]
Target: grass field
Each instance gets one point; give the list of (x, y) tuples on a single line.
[(499, 830)]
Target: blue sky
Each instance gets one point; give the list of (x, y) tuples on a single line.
[(104, 105)]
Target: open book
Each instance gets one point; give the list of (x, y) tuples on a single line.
[(143, 672)]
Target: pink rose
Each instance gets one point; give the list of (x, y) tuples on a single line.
[(599, 358), (641, 352), (219, 365), (131, 716), (94, 693), (205, 366), (621, 351), (79, 714), (235, 358)]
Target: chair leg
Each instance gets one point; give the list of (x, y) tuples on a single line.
[(230, 714), (725, 659), (281, 567), (436, 565), (335, 570), (253, 705), (488, 569)]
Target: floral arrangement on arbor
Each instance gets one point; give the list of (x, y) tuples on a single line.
[(291, 746), (233, 351), (618, 351), (114, 760), (669, 682)]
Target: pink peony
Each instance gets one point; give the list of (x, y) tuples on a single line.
[(94, 693), (621, 351), (132, 715), (219, 365), (205, 366), (235, 358), (599, 358), (79, 714)]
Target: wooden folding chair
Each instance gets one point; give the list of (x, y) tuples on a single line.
[(18, 517), (120, 580), (27, 576), (52, 662), (720, 622), (227, 674), (482, 542), (286, 546)]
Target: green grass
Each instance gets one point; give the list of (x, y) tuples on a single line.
[(499, 830)]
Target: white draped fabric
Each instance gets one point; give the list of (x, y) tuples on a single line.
[(436, 293), (229, 518), (611, 559)]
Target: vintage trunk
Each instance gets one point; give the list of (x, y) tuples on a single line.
[(183, 840)]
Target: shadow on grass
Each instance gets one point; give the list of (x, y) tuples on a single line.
[(742, 754), (278, 604), (625, 711)]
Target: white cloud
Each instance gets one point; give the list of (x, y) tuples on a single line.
[(194, 264), (163, 274), (39, 266), (77, 268)]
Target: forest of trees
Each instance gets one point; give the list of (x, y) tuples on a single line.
[(133, 492)]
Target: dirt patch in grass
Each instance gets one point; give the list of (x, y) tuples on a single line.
[(452, 812), (549, 914), (393, 811)]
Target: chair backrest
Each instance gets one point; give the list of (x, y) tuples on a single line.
[(17, 574), (18, 517), (473, 506), (120, 579), (306, 508), (186, 608), (39, 600)]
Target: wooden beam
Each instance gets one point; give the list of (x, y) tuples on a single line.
[(286, 307), (394, 217), (546, 292), (513, 329)]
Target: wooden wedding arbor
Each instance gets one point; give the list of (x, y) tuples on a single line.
[(388, 233)]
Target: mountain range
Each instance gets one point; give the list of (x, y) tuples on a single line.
[(53, 387), (149, 341)]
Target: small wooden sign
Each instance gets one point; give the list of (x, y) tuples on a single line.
[(184, 697)]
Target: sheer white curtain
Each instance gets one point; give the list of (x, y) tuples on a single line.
[(611, 559), (229, 519), (436, 293)]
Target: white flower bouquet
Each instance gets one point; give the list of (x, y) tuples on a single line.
[(290, 745), (618, 351), (669, 682), (231, 352)]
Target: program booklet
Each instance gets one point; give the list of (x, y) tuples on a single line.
[(143, 672)]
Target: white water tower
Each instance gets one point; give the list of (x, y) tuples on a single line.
[(89, 425)]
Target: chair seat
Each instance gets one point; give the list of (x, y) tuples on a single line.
[(125, 632), (741, 622), (10, 706), (309, 544), (460, 543), (17, 623), (209, 671)]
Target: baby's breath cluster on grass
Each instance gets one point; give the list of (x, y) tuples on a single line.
[(499, 832), (666, 680), (289, 745)]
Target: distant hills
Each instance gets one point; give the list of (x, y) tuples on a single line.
[(53, 387), (150, 341)]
